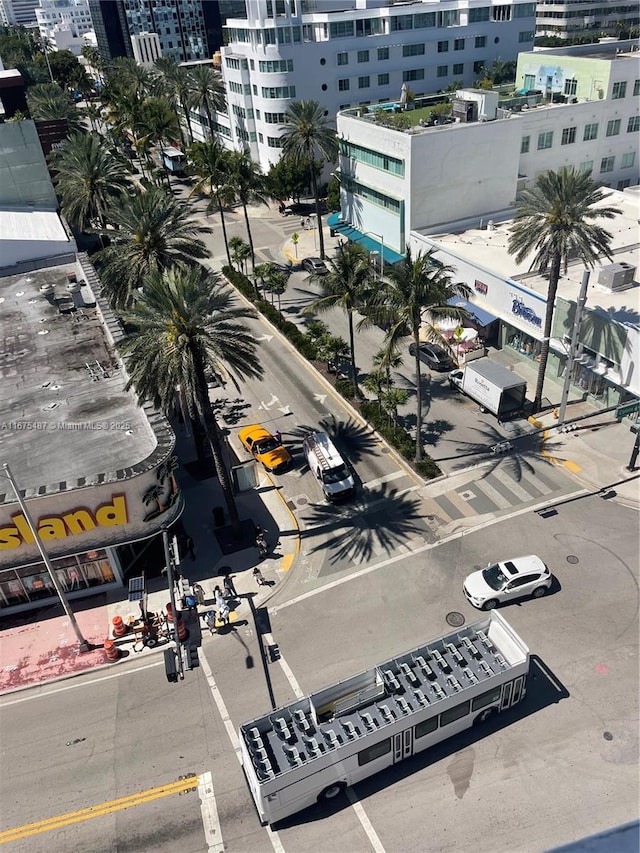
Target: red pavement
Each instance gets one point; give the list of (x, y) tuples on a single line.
[(46, 650)]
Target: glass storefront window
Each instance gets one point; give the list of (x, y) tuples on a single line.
[(524, 344)]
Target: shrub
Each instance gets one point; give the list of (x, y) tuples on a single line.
[(344, 387), (398, 438), (240, 281)]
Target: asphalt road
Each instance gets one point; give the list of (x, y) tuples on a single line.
[(561, 766)]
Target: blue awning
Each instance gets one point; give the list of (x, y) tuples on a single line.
[(482, 317), (356, 236)]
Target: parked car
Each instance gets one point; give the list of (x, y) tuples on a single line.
[(316, 266), (455, 379), (265, 447), (507, 580), (434, 356)]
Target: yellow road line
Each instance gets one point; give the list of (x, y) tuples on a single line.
[(188, 783)]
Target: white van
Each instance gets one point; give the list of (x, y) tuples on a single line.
[(328, 467)]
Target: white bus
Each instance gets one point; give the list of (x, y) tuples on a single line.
[(312, 749)]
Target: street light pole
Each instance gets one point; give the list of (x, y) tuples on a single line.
[(381, 238), (172, 595), (83, 644), (582, 300)]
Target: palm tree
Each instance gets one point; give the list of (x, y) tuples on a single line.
[(207, 90), (211, 162), (240, 252), (555, 221), (90, 177), (158, 122), (308, 135), (416, 290), (185, 326), (174, 83), (130, 77), (48, 102), (154, 232), (347, 285), (249, 184)]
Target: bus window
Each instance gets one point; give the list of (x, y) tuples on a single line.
[(375, 751), (487, 698), (454, 714), (425, 727)]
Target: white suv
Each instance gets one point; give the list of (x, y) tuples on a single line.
[(507, 580)]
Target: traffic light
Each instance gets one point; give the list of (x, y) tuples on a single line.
[(171, 665), (190, 657), (274, 652)]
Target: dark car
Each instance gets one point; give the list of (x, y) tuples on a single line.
[(433, 356), (316, 266)]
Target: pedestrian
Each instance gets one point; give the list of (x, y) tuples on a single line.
[(260, 580), (210, 619), (308, 223), (222, 605), (229, 588), (278, 436), (198, 591), (302, 225), (190, 549)]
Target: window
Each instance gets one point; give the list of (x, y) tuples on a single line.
[(278, 91), (363, 56), (443, 47), (413, 50), (636, 88), (480, 41), (613, 127), (526, 36), (423, 20), (478, 65), (628, 160), (487, 698), (363, 82), (383, 53), (634, 124), (524, 10), (369, 27), (458, 44), (375, 751), (478, 15), (443, 70), (413, 74), (524, 145), (341, 29), (425, 727), (274, 118), (401, 22), (606, 164), (458, 68), (274, 142), (529, 82), (545, 140), (343, 59), (570, 86), (343, 85), (568, 136), (586, 166), (590, 132), (454, 714), (622, 185), (619, 91), (383, 79), (276, 65)]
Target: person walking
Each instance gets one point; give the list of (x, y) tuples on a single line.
[(198, 591), (229, 587), (260, 579), (222, 605)]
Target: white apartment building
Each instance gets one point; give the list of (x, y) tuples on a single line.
[(568, 18), (75, 13), (17, 13), (146, 48), (343, 53), (394, 182)]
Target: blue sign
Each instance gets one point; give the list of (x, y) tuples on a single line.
[(521, 310)]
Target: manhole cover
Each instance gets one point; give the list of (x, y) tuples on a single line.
[(302, 501), (607, 736), (455, 619), (572, 559)]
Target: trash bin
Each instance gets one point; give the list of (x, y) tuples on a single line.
[(218, 516), (332, 232)]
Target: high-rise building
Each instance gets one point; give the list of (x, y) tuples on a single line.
[(345, 53), (569, 18), (187, 30), (73, 12), (146, 48), (18, 13)]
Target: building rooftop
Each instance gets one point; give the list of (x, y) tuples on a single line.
[(66, 416), (31, 225), (488, 250)]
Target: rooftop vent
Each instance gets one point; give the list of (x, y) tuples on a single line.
[(617, 276)]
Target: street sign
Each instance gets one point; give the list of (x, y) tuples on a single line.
[(627, 409)]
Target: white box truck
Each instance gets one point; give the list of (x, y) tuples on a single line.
[(493, 386)]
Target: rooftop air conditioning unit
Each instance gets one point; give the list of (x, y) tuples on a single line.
[(617, 276)]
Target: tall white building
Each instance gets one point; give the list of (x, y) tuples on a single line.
[(75, 13), (343, 53), (17, 13), (146, 48), (569, 18)]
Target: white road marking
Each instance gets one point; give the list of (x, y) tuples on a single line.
[(264, 338), (209, 809), (274, 838), (511, 485), (268, 405), (286, 410), (75, 685), (494, 495), (362, 816), (388, 478), (320, 398)]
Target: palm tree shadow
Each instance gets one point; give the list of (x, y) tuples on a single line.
[(377, 519), (356, 440)]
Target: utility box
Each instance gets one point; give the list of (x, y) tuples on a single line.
[(617, 276)]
